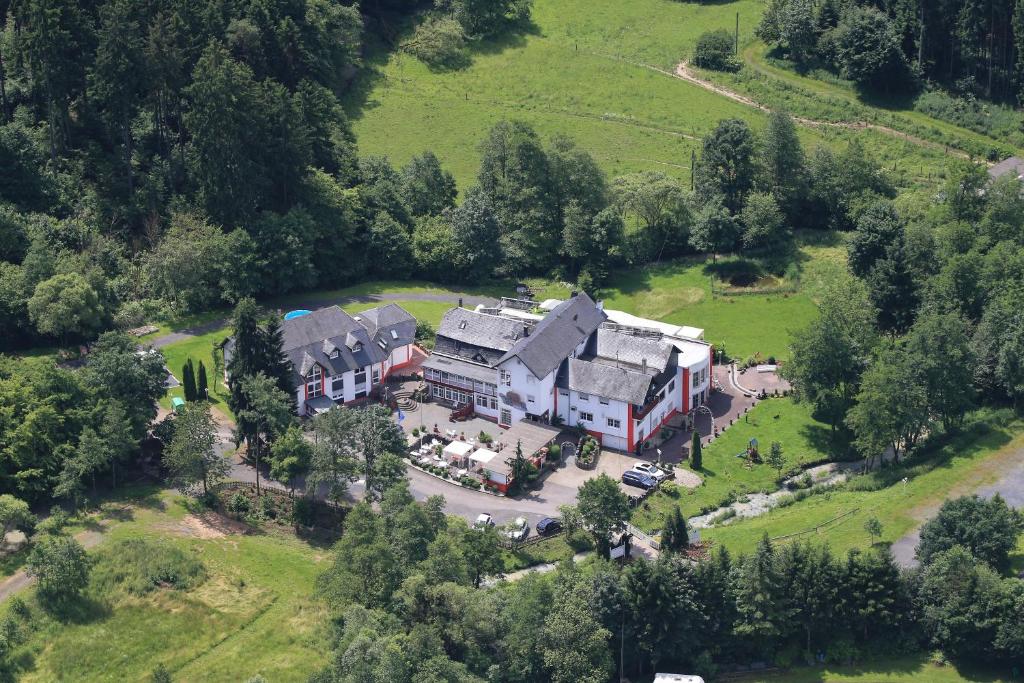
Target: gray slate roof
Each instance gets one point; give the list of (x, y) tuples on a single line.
[(608, 381), (476, 337), (1014, 165), (630, 349), (312, 338), (390, 323), (553, 339), (461, 367)]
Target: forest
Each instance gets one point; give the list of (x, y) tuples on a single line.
[(972, 47)]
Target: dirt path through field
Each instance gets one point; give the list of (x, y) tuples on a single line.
[(684, 72)]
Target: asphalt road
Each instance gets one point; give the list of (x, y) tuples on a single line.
[(1010, 486)]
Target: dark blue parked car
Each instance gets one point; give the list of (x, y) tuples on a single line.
[(549, 525), (638, 479)]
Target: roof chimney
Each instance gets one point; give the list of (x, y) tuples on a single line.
[(643, 364), (526, 330), (460, 302), (573, 294)]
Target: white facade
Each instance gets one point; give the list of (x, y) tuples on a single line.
[(536, 395)]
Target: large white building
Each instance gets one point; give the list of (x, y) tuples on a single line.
[(618, 376)]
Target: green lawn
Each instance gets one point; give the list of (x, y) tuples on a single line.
[(680, 293), (898, 670), (803, 440), (198, 348), (253, 615), (969, 461)]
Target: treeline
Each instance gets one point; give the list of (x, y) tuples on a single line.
[(930, 325), (408, 603), (972, 47)]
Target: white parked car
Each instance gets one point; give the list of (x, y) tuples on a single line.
[(483, 520), (518, 530), (651, 470)]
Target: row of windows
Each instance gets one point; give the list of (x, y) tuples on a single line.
[(700, 377), (315, 381), (460, 381), (449, 394), (610, 421), (487, 401)]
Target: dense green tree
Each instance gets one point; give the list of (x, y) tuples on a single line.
[(515, 175), (439, 42), (891, 412), (61, 569), (191, 456), (940, 346), (603, 507), (439, 253), (116, 372), (963, 603), (202, 389), (365, 569), (575, 645), (117, 80), (696, 456), (988, 529), (763, 610), (223, 118), (764, 225), (188, 381), (893, 291), (868, 49), (831, 353), (481, 548), (426, 187), (714, 228), (785, 171), (674, 535), (662, 609), (290, 456), (660, 205), (727, 164), (14, 514), (715, 50), (66, 306), (267, 415), (874, 599), (335, 451), (877, 228), (476, 234)]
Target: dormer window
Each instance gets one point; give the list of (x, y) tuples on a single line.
[(334, 354), (357, 348), (394, 335), (462, 325)]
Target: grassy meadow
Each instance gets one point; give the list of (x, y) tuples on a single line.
[(253, 614), (599, 71)]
